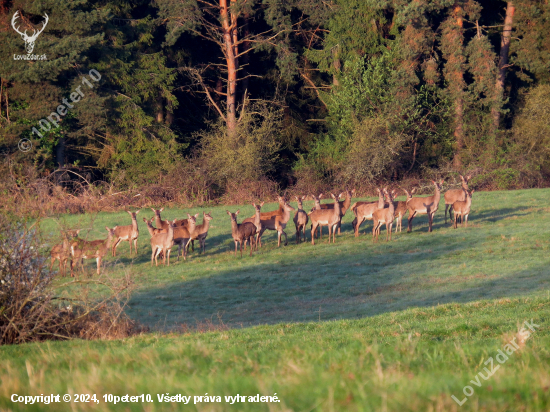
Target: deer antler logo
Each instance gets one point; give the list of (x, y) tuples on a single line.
[(29, 40)]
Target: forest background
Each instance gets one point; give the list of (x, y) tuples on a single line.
[(233, 100)]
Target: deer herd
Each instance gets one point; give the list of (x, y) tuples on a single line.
[(183, 233)]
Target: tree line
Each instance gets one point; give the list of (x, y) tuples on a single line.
[(291, 92)]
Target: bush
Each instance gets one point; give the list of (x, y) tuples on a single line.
[(32, 308)]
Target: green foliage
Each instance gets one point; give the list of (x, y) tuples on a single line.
[(250, 153)]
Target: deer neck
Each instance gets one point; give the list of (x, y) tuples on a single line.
[(170, 233), (109, 241), (286, 214), (437, 195), (380, 201), (234, 226), (347, 201)]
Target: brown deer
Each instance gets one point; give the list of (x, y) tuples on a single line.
[(161, 224), (344, 206), (151, 229), (364, 211), (455, 195), (425, 206), (385, 215), (268, 215), (258, 223), (182, 235), (401, 208), (317, 206), (62, 252), (163, 242), (277, 222), (241, 232), (129, 233), (462, 208), (96, 249), (200, 232), (300, 220), (329, 217)]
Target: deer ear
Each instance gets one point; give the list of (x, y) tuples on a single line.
[(108, 228), (153, 210), (237, 212), (161, 209), (196, 215), (261, 204), (188, 216), (468, 177), (413, 191), (137, 211), (228, 212), (320, 195)]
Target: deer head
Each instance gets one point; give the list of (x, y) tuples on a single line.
[(29, 40)]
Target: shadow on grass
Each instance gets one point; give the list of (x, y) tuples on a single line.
[(352, 279)]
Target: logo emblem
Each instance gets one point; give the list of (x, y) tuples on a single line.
[(29, 40)]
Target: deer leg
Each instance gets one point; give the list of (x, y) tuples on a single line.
[(153, 256), (411, 217), (115, 246), (313, 228)]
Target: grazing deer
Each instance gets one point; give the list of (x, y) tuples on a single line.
[(96, 249), (425, 206), (364, 211), (344, 206), (329, 217), (462, 208), (401, 208), (163, 242), (62, 252), (151, 229), (277, 222), (129, 233), (300, 220), (241, 232), (182, 235), (455, 195), (385, 215), (200, 232)]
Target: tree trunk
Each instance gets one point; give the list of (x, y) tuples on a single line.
[(336, 64), (60, 152), (160, 115), (169, 118), (246, 56), (229, 36), (502, 64)]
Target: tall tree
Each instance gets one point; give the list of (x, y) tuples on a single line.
[(502, 64)]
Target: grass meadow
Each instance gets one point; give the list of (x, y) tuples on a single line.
[(350, 326)]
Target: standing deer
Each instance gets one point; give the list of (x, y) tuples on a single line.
[(200, 232), (277, 222), (258, 223), (151, 229), (364, 211), (462, 208), (96, 249), (129, 233), (163, 242), (317, 206), (182, 235), (425, 206), (62, 252), (344, 206), (329, 217), (401, 208), (385, 215), (454, 195), (300, 219), (161, 224), (241, 232)]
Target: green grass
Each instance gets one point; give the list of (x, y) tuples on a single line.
[(351, 326)]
